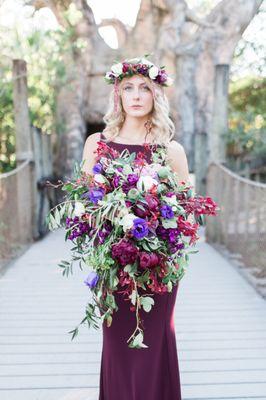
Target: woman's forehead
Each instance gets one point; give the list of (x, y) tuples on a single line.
[(133, 79)]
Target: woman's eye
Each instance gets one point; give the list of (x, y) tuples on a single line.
[(143, 87)]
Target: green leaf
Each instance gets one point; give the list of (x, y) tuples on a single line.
[(147, 303), (57, 217), (74, 333), (169, 223), (133, 297), (138, 341)]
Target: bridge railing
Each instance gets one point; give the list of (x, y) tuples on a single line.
[(16, 209), (241, 223)]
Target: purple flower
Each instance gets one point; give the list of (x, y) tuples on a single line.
[(96, 194), (79, 229), (171, 234), (140, 228), (92, 279), (97, 168), (105, 231), (174, 247), (167, 211), (132, 179), (161, 77), (116, 180)]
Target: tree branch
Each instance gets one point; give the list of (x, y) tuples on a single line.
[(121, 30)]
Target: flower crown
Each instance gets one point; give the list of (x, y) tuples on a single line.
[(130, 67)]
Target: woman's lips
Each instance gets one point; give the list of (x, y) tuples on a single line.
[(136, 106)]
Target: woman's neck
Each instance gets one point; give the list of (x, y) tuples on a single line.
[(134, 130)]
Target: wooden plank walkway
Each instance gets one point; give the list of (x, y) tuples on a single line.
[(220, 330)]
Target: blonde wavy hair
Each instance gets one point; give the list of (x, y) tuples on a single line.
[(163, 128)]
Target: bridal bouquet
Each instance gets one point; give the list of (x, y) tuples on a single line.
[(129, 222)]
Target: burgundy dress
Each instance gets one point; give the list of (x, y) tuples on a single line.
[(140, 374)]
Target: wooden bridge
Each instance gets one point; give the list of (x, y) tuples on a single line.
[(220, 325)]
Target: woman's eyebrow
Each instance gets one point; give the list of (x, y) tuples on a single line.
[(129, 83)]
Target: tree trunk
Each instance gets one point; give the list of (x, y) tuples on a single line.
[(188, 46)]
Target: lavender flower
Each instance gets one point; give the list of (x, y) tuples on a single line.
[(140, 228), (96, 194), (92, 279), (167, 211), (97, 168)]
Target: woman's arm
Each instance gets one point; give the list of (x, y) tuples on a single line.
[(88, 156), (178, 161)]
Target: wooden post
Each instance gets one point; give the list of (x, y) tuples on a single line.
[(220, 114), (23, 145), (201, 160), (21, 112)]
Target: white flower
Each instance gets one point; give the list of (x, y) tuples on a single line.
[(117, 69), (169, 81), (99, 178), (146, 62), (153, 72), (127, 221), (147, 182), (150, 170), (170, 200), (79, 209), (133, 60)]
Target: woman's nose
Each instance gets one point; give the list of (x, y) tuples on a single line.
[(136, 94)]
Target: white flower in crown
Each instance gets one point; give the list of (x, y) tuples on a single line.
[(147, 182), (153, 72), (146, 62), (169, 81), (79, 209), (133, 60), (117, 69)]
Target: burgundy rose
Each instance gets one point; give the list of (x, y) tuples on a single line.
[(148, 260), (152, 201), (124, 252)]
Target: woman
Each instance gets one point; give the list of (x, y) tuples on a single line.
[(139, 113)]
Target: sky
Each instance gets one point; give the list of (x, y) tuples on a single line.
[(125, 10)]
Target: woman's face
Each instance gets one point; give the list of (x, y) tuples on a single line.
[(135, 91)]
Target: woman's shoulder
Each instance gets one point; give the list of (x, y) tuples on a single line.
[(175, 148), (93, 138)]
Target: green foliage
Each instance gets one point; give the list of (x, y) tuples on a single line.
[(249, 95), (246, 135), (7, 126), (46, 53)]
